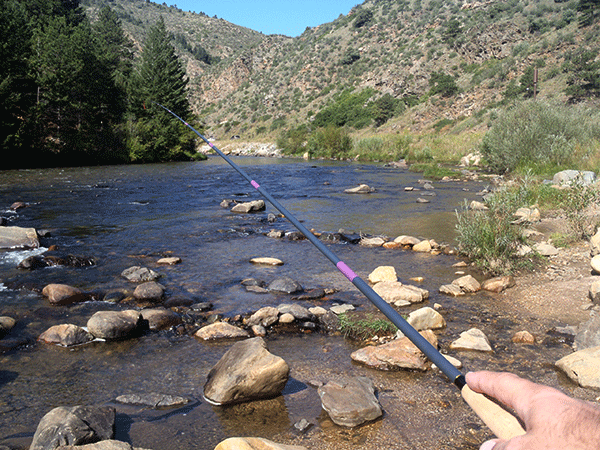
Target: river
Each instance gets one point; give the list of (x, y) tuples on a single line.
[(132, 215)]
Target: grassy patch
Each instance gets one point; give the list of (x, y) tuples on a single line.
[(362, 326)]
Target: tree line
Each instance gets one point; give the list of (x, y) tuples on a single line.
[(71, 92)]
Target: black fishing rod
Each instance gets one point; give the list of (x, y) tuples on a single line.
[(503, 424)]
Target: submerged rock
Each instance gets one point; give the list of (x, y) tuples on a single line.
[(153, 400), (360, 189), (247, 371), (350, 402), (66, 335), (248, 443), (285, 285)]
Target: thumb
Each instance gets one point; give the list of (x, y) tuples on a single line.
[(489, 445)]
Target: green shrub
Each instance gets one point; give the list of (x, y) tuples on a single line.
[(538, 135), (363, 327), (330, 142)]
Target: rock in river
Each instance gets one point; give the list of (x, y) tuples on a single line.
[(74, 426), (473, 339), (397, 354), (115, 324), (350, 402), (62, 294), (16, 237), (247, 371), (137, 274), (285, 285), (66, 335), (220, 330)]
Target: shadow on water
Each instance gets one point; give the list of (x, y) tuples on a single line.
[(125, 216)]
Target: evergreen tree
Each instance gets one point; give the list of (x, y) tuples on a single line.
[(16, 88), (155, 135), (590, 12)]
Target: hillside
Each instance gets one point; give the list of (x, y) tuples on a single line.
[(450, 63)]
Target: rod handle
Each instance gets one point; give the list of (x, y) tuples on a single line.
[(503, 424)]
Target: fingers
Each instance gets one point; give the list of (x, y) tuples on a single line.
[(511, 390), (488, 445)]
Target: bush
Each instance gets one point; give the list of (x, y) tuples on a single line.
[(538, 135), (330, 142)]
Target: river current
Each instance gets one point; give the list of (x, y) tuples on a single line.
[(133, 215)]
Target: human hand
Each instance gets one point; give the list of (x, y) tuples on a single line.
[(552, 419)]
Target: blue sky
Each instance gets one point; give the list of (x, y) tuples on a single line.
[(289, 17)]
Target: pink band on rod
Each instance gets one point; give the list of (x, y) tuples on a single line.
[(255, 184), (347, 271)]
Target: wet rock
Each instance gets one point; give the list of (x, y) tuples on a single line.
[(221, 330), (422, 200), (109, 444), (267, 261), (137, 274), (408, 241), (422, 247), (391, 245), (76, 425), (18, 238), (248, 207), (115, 296), (397, 354), (297, 311), (276, 234), (473, 339), (285, 285), (246, 443), (39, 261), (383, 273), (477, 206), (400, 294), (468, 284), (426, 319), (153, 400), (6, 324), (350, 402), (160, 318), (313, 294), (523, 337), (18, 205), (266, 317), (498, 284), (588, 333), (360, 189), (66, 335), (62, 294), (113, 325), (582, 367), (452, 290), (169, 261), (247, 371), (150, 291), (372, 242), (286, 318)]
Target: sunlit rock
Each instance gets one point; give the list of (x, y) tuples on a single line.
[(350, 402)]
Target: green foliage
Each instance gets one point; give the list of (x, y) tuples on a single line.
[(362, 18), (293, 141), (384, 108), (330, 142), (590, 12), (584, 69), (348, 109), (363, 327), (451, 31), (489, 238), (443, 84), (537, 134), (390, 148), (156, 135)]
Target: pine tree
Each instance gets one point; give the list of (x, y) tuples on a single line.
[(590, 12), (154, 134)]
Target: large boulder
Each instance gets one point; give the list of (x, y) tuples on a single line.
[(574, 177), (426, 319), (76, 425), (17, 237), (247, 371), (113, 325), (350, 402)]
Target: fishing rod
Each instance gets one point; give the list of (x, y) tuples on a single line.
[(502, 423)]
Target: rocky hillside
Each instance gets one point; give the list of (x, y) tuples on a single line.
[(450, 62)]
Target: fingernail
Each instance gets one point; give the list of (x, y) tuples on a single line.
[(488, 445)]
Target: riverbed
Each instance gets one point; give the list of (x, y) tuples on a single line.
[(134, 215)]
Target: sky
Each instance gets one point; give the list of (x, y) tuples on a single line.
[(289, 17)]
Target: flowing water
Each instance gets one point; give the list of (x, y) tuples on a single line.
[(132, 215)]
